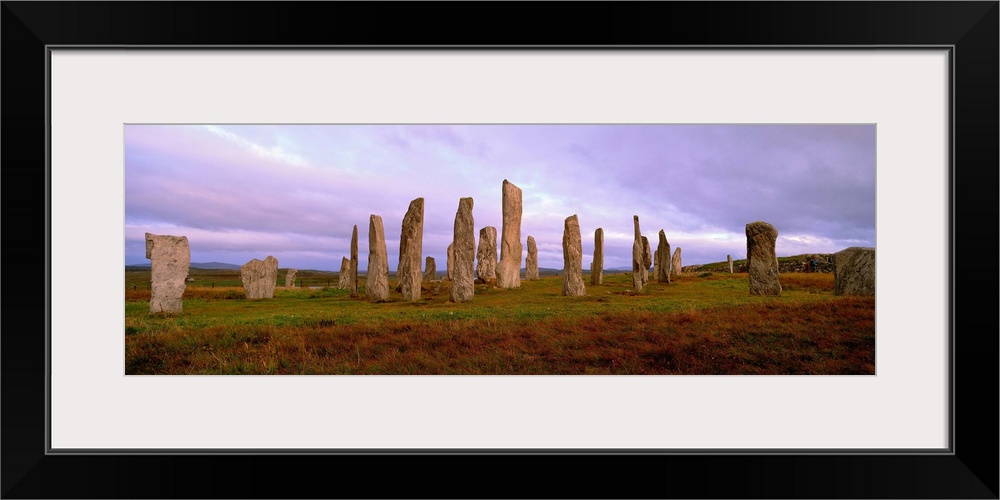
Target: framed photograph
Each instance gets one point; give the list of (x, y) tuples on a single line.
[(156, 115)]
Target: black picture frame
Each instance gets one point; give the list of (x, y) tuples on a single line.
[(969, 28)]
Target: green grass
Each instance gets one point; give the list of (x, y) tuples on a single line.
[(697, 324)]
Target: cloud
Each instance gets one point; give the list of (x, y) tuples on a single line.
[(299, 189)]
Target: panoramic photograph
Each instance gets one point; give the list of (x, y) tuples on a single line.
[(499, 249)]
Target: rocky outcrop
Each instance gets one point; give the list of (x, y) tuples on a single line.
[(450, 262), (260, 277), (647, 260), (854, 271), (572, 282), (486, 256), (509, 269), (762, 262), (411, 251), (430, 270), (663, 259), (352, 274), (344, 278), (597, 265), (675, 263), (531, 264), (170, 262), (637, 257), (464, 247), (377, 277)]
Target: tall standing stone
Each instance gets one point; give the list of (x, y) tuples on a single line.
[(729, 260), (597, 266), (377, 277), (637, 257), (290, 278), (531, 264), (762, 261), (344, 279), (486, 256), (464, 245), (260, 277), (647, 260), (450, 262), (352, 274), (509, 272), (430, 270), (854, 271), (572, 282), (411, 251), (663, 259), (675, 263), (170, 264)]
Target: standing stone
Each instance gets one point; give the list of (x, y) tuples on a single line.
[(729, 260), (854, 271), (464, 247), (637, 257), (170, 258), (486, 256), (352, 274), (377, 282), (430, 271), (531, 264), (411, 250), (675, 263), (762, 262), (260, 277), (572, 282), (647, 260), (451, 261), (663, 259), (509, 272), (290, 278), (597, 266), (345, 273)]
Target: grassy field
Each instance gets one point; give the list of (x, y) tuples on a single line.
[(699, 324)]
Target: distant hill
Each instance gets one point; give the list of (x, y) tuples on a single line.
[(194, 265)]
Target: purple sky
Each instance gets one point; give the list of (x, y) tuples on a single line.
[(240, 192)]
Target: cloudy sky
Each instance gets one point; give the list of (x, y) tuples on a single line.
[(240, 192)]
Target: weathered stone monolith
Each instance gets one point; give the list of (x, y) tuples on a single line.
[(450, 269), (663, 259), (762, 262), (531, 263), (597, 266), (729, 260), (637, 257), (352, 274), (572, 279), (170, 258), (647, 260), (344, 278), (430, 270), (464, 246), (411, 251), (377, 277), (675, 262), (486, 256), (854, 271), (509, 270), (290, 278), (260, 277)]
